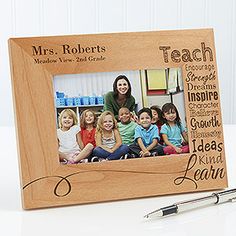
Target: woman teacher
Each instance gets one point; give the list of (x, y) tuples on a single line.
[(120, 96)]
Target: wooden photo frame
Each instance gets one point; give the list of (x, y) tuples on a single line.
[(37, 61)]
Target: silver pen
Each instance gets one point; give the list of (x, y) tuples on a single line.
[(215, 198)]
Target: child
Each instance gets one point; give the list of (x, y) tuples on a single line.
[(173, 131), (88, 122), (126, 126), (157, 119), (108, 140), (146, 136), (71, 148)]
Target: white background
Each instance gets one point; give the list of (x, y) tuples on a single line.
[(21, 18)]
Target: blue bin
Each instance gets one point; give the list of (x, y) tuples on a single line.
[(92, 100), (60, 95), (85, 100), (99, 100), (69, 101), (60, 102), (77, 101)]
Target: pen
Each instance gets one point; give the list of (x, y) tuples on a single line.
[(215, 198)]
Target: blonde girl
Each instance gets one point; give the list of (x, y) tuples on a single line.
[(108, 140), (71, 148)]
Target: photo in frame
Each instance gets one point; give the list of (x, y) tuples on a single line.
[(170, 66), (147, 89)]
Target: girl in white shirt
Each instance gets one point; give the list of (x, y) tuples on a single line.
[(71, 148)]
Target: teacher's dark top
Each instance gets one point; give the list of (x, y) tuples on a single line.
[(112, 105)]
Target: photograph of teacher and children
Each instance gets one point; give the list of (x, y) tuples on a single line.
[(120, 115)]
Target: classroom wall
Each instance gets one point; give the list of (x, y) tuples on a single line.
[(97, 84), (21, 18)]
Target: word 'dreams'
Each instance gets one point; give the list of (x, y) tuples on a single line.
[(186, 55)]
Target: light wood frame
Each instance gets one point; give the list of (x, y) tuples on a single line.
[(45, 182)]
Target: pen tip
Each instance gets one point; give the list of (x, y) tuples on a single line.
[(157, 213)]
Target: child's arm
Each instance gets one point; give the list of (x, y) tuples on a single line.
[(134, 117), (168, 143), (62, 156), (154, 139), (98, 139), (185, 136), (152, 145), (144, 151), (79, 140), (118, 140)]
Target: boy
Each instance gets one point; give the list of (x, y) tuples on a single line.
[(146, 136), (126, 126)]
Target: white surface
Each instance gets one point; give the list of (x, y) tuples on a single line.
[(113, 218), (25, 18)]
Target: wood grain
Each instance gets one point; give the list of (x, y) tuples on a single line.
[(46, 183)]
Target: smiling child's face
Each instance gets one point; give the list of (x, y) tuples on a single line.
[(155, 117), (108, 123), (145, 120), (124, 115), (67, 121), (89, 118), (170, 115)]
